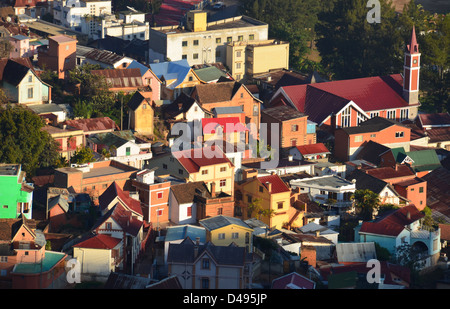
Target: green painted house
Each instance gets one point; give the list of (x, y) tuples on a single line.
[(16, 196)]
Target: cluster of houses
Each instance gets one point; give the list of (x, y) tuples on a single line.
[(153, 215)]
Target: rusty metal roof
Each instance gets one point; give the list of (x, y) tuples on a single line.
[(121, 78)]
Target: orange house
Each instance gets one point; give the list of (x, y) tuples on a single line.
[(349, 141), (59, 56)]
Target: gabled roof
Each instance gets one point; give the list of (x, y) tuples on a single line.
[(114, 192), (183, 231), (228, 125), (121, 78), (100, 241), (221, 255), (424, 160), (193, 159), (138, 98), (220, 221), (186, 192), (283, 113), (181, 104), (171, 70), (208, 74), (293, 281), (318, 148), (372, 151), (14, 72), (123, 217), (142, 68), (375, 124), (435, 119), (366, 181), (109, 139), (278, 185), (319, 100), (92, 124), (393, 223), (390, 172), (58, 200), (218, 92)]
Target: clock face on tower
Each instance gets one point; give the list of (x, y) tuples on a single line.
[(415, 61)]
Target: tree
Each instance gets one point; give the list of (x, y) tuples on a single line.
[(351, 47), (82, 155), (22, 141), (367, 202), (5, 47)]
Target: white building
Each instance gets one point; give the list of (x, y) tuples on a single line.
[(130, 25), (82, 15), (330, 190)]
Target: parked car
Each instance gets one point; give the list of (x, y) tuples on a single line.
[(219, 6)]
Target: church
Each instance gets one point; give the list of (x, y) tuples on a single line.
[(347, 103)]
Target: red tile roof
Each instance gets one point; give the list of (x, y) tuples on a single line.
[(294, 279), (112, 193), (93, 124), (389, 172), (278, 185), (434, 119), (193, 159), (228, 124), (394, 223), (319, 100), (99, 241), (313, 149)]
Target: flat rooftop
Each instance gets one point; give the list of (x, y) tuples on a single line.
[(9, 169), (229, 23), (324, 181)]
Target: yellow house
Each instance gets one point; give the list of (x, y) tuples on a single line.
[(223, 231), (272, 193), (208, 164), (141, 113)]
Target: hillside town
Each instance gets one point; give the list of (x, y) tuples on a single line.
[(224, 145)]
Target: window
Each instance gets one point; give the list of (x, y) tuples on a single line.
[(184, 43), (217, 53), (251, 36), (358, 138), (205, 283), (238, 53), (223, 182), (180, 171), (30, 78), (238, 65), (234, 235), (189, 211), (183, 56), (165, 166), (4, 259), (159, 212), (159, 195), (404, 114), (390, 114), (229, 39), (420, 189), (322, 192), (128, 151), (218, 40), (294, 128), (221, 236), (205, 263), (108, 225), (5, 206), (345, 117), (195, 56), (219, 211), (238, 76), (373, 135), (294, 142), (280, 205), (223, 169), (190, 78), (30, 93), (144, 106), (240, 38), (205, 172), (374, 114), (399, 134), (261, 189), (195, 42)]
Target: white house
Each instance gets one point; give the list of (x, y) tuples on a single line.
[(330, 190), (122, 147), (309, 152), (99, 255), (182, 202), (320, 230)]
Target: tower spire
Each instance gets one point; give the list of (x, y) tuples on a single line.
[(413, 47)]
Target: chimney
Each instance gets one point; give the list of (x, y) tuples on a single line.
[(269, 186), (197, 243), (317, 233), (408, 215), (213, 189)]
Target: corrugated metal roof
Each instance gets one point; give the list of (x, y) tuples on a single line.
[(355, 252), (121, 78)]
